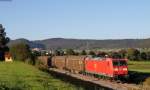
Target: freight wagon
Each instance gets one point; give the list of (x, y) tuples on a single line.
[(59, 62), (45, 61), (75, 64)]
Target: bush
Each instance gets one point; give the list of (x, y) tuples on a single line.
[(21, 52)]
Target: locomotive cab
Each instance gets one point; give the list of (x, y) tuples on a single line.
[(120, 67)]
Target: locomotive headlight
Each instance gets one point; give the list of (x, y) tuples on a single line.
[(115, 69), (124, 69)]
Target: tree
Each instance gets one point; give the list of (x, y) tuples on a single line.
[(59, 52), (133, 54), (115, 55), (83, 52), (92, 53), (20, 51), (3, 41), (101, 54), (36, 53), (148, 55), (143, 56), (122, 53), (70, 52)]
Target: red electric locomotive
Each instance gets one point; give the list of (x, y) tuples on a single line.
[(106, 66)]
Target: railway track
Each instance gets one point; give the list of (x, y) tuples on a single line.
[(114, 85)]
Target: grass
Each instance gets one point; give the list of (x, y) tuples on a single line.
[(21, 76), (139, 66), (142, 72)]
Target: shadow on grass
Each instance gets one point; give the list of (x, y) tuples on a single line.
[(77, 82), (138, 77)]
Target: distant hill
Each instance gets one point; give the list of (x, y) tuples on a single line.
[(55, 43), (30, 43)]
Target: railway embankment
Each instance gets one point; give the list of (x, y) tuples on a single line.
[(92, 83)]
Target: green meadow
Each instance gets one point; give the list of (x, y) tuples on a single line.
[(139, 66), (142, 72), (21, 76)]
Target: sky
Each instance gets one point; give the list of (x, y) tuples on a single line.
[(80, 19)]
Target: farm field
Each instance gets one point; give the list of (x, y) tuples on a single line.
[(139, 66), (141, 71), (21, 76)]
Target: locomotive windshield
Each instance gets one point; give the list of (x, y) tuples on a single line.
[(119, 63)]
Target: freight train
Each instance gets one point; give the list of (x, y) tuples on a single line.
[(109, 67)]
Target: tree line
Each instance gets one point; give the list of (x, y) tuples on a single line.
[(130, 53), (22, 52)]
